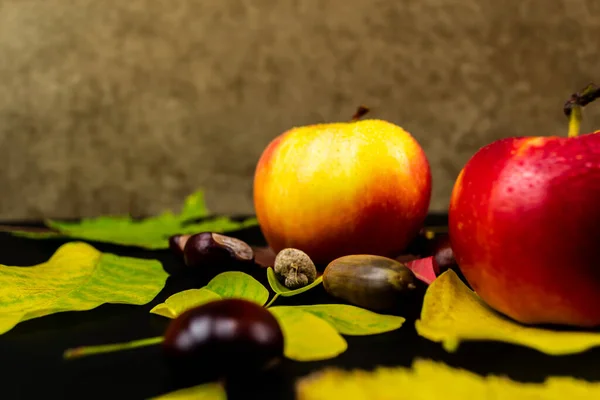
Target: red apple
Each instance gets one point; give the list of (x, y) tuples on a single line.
[(524, 223), (334, 189)]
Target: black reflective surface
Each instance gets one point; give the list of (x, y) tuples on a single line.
[(32, 367)]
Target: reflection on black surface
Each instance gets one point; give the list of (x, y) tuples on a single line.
[(32, 365)]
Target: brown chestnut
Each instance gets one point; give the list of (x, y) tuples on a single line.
[(373, 282), (208, 249), (264, 256), (442, 252), (177, 243), (431, 242), (224, 338)]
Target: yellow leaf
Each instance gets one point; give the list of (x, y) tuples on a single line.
[(76, 278), (207, 391), (429, 380), (453, 313), (307, 337), (182, 301), (351, 320), (9, 321)]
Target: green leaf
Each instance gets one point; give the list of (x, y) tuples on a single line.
[(239, 285), (150, 233), (230, 284), (207, 391), (76, 278), (182, 301), (307, 337), (282, 290), (37, 235), (351, 320), (194, 207)]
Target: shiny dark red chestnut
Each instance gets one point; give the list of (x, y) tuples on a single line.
[(208, 249), (223, 339), (427, 244), (177, 243), (442, 252)]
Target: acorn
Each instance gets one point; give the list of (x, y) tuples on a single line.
[(373, 282), (223, 339)]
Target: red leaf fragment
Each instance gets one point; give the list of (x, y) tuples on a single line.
[(425, 269)]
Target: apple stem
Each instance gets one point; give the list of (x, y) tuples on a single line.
[(573, 107), (360, 112), (574, 122)]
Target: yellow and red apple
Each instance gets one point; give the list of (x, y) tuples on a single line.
[(524, 224), (341, 188)]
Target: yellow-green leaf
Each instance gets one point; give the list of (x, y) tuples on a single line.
[(77, 277), (284, 291), (306, 336), (351, 320), (150, 233), (229, 284), (239, 285), (207, 391), (453, 313), (429, 380), (182, 301)]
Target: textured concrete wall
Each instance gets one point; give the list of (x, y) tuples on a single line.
[(111, 106)]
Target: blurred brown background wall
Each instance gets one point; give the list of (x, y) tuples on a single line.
[(112, 106)]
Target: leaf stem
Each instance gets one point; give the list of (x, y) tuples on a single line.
[(272, 300), (82, 351)]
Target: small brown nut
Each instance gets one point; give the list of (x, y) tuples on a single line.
[(294, 268), (177, 243), (213, 249)]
